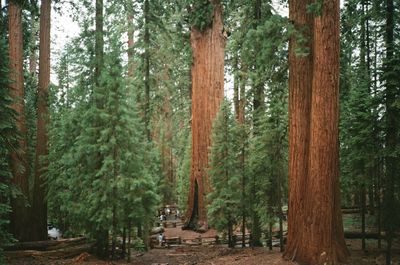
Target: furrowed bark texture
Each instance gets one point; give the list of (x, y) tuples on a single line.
[(18, 162), (315, 223), (300, 87), (207, 94), (39, 207)]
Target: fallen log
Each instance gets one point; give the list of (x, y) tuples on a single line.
[(45, 245), (369, 235), (350, 210), (58, 253)]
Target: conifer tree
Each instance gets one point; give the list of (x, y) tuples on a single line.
[(208, 42), (225, 198), (313, 139), (39, 204), (19, 163), (8, 144), (98, 144)]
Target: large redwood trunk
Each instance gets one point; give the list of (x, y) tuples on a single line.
[(207, 94), (300, 87), (39, 207), (315, 224), (18, 162)]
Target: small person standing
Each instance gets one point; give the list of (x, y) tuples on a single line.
[(160, 239)]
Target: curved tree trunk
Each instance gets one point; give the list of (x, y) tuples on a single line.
[(39, 207), (315, 222), (207, 94), (18, 162)]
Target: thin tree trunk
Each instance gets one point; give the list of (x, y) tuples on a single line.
[(258, 86), (131, 41), (378, 204), (102, 239), (392, 129), (236, 84), (281, 242), (123, 242), (39, 207), (99, 43), (146, 69), (18, 161), (237, 99), (363, 208), (270, 236), (114, 229), (207, 94), (230, 235), (258, 107), (115, 193), (129, 240), (280, 213)]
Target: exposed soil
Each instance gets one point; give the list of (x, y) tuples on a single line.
[(209, 255), (202, 255), (215, 254)]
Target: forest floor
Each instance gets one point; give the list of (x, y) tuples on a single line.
[(205, 255), (215, 254)]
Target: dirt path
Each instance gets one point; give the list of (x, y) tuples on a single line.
[(203, 255)]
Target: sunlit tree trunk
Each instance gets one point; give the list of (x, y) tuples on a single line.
[(18, 162), (207, 94), (39, 207), (315, 222)]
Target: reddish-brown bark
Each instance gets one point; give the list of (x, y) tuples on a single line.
[(207, 94), (315, 234), (18, 162), (300, 86), (39, 206)]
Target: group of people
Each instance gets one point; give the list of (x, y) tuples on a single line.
[(163, 214)]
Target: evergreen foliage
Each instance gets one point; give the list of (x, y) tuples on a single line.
[(99, 147), (225, 198), (120, 141), (8, 141), (365, 162), (183, 174), (201, 14)]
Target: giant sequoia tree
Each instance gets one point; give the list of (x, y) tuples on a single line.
[(39, 206), (208, 42), (315, 224), (19, 166)]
